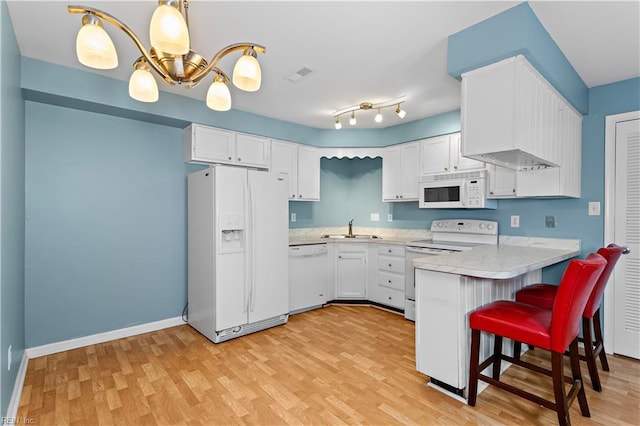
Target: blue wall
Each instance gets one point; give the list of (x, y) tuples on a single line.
[(12, 163), (512, 32), (106, 223)]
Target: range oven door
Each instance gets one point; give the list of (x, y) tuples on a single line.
[(410, 275)]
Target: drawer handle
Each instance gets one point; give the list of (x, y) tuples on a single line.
[(229, 158), (239, 159), (389, 297), (389, 250), (389, 265), (389, 281)]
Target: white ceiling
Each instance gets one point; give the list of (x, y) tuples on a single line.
[(359, 51)]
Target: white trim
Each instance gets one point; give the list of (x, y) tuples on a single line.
[(66, 345), (609, 212), (14, 402)]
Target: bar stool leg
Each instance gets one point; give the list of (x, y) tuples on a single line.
[(577, 376), (517, 348), (557, 374), (589, 355), (473, 368), (597, 329), (497, 357)]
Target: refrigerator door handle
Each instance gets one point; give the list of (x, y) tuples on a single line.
[(247, 233), (252, 260)]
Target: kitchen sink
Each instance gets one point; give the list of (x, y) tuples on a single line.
[(356, 236)]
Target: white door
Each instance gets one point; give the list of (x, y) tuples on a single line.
[(627, 233), (214, 145), (391, 172), (434, 156), (308, 174), (351, 273), (410, 171), (268, 272), (252, 150)]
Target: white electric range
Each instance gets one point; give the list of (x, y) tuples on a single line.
[(449, 236)]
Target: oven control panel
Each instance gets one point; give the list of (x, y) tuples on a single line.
[(465, 226)]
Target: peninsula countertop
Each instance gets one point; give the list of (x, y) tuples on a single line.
[(500, 261)]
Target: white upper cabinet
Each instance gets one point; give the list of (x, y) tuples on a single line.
[(302, 164), (203, 144), (401, 172), (513, 117), (441, 154)]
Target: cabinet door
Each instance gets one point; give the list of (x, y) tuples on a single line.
[(213, 145), (410, 164), (308, 174), (458, 162), (502, 182), (252, 150), (391, 174), (434, 155), (351, 276), (284, 159)]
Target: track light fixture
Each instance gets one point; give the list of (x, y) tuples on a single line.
[(170, 55), (365, 106)]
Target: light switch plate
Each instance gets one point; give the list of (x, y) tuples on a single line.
[(389, 217), (293, 217), (515, 221), (594, 208), (375, 217)]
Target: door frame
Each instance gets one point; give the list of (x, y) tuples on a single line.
[(610, 212)]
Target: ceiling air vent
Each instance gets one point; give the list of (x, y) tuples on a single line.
[(302, 73)]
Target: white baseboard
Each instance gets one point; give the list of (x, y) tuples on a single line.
[(14, 402), (66, 345)]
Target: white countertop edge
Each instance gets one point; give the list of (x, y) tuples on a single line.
[(462, 259)]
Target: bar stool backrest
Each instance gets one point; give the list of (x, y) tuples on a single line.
[(611, 253), (575, 287)]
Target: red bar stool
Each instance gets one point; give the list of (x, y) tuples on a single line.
[(543, 295), (554, 330)]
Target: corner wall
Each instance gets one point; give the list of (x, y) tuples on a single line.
[(12, 193)]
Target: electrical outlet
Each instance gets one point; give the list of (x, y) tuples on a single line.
[(293, 217), (594, 208), (550, 221), (375, 217), (389, 217), (9, 358), (515, 221)]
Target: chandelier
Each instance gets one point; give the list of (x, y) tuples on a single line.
[(366, 106), (170, 55)]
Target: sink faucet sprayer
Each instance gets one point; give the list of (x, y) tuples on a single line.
[(351, 228)]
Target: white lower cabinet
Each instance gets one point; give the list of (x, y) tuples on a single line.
[(351, 271), (391, 266)]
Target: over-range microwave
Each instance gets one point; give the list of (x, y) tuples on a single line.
[(461, 190)]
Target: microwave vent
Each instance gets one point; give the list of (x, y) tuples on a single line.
[(471, 174)]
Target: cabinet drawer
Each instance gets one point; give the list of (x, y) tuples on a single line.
[(391, 297), (394, 281), (391, 264), (391, 250)]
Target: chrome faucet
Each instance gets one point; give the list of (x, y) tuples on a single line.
[(350, 229)]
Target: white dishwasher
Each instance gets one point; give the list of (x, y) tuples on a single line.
[(308, 277)]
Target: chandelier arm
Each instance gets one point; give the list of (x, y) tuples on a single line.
[(117, 23), (222, 53)]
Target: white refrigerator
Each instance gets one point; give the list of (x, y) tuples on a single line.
[(238, 242)]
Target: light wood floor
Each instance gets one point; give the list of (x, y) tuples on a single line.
[(336, 365)]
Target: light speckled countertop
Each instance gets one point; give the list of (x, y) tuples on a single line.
[(512, 257), (301, 236)]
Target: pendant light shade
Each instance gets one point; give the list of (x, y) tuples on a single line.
[(401, 113), (378, 118), (168, 31), (352, 119), (142, 85), (94, 47), (218, 95), (247, 75)]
